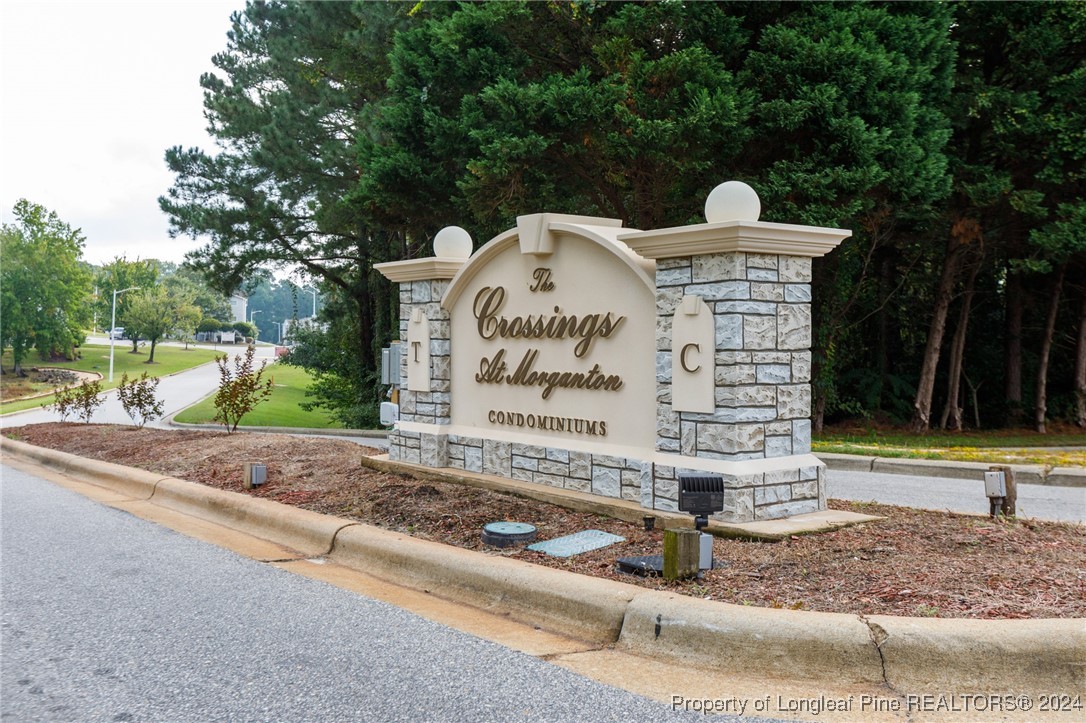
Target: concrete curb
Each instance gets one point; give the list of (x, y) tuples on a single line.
[(1033, 474), (583, 607), (908, 654), (1067, 477), (787, 644), (1005, 656), (310, 533)]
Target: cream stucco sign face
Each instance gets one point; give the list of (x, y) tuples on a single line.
[(556, 344)]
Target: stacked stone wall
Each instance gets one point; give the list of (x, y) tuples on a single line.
[(604, 475), (762, 316), (432, 407)]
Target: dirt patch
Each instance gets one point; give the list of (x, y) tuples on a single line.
[(914, 563)]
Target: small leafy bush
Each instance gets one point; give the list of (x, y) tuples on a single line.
[(240, 388), (139, 398), (81, 401)]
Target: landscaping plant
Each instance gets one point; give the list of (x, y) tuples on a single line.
[(138, 397), (81, 400), (240, 389)]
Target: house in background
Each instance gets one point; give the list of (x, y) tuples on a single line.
[(239, 307)]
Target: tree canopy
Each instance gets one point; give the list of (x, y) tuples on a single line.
[(44, 286), (948, 136)]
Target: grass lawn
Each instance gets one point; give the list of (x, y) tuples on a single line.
[(1005, 446), (95, 358), (281, 409)]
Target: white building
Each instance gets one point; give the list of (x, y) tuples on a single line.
[(239, 307)]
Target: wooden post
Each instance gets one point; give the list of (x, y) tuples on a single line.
[(681, 554), (1011, 499)]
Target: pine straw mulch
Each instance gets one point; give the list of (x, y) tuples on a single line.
[(914, 563)]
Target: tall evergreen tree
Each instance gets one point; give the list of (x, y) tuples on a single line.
[(287, 104)]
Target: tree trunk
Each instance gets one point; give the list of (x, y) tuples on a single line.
[(1012, 360), (1046, 347), (952, 412), (1080, 367), (882, 344), (943, 295), (818, 416)]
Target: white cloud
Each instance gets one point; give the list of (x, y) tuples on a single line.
[(92, 95)]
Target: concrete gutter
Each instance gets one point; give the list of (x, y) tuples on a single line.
[(910, 655), (1033, 474)]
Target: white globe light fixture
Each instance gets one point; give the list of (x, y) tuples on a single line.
[(452, 242), (732, 201)]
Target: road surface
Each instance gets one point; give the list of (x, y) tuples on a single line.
[(107, 617), (1043, 502)]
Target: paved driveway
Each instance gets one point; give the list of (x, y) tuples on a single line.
[(176, 391)]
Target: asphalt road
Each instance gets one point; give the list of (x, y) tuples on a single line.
[(110, 618), (1044, 502)]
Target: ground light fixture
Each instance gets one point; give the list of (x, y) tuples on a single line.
[(701, 496), (113, 325)]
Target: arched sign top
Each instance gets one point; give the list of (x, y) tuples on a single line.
[(604, 236)]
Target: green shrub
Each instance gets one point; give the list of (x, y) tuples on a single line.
[(138, 397), (240, 389), (81, 401)]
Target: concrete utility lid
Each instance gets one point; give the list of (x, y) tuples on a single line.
[(507, 534), (576, 543)]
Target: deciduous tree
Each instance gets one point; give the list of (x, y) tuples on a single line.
[(44, 288), (158, 313)]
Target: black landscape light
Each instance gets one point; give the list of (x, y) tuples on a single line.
[(701, 496)]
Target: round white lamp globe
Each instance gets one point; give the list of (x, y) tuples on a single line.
[(732, 201), (452, 242)]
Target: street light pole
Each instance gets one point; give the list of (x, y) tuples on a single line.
[(113, 325), (251, 315), (314, 292)]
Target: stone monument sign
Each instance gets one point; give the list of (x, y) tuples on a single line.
[(573, 352)]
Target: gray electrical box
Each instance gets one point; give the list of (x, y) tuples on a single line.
[(255, 475), (995, 484), (390, 365), (705, 552)]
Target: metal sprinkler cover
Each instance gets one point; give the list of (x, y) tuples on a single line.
[(507, 534)]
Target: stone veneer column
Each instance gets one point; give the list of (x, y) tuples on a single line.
[(755, 278), (419, 437)]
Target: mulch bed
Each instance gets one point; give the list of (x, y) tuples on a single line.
[(914, 563)]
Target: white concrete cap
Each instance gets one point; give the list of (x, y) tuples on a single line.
[(732, 201), (452, 242)]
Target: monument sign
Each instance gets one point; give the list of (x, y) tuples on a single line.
[(573, 352)]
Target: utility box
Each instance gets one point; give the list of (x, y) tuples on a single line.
[(390, 365), (995, 484), (705, 553), (255, 475), (390, 413)]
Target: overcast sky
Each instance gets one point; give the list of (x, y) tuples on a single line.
[(92, 95)]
